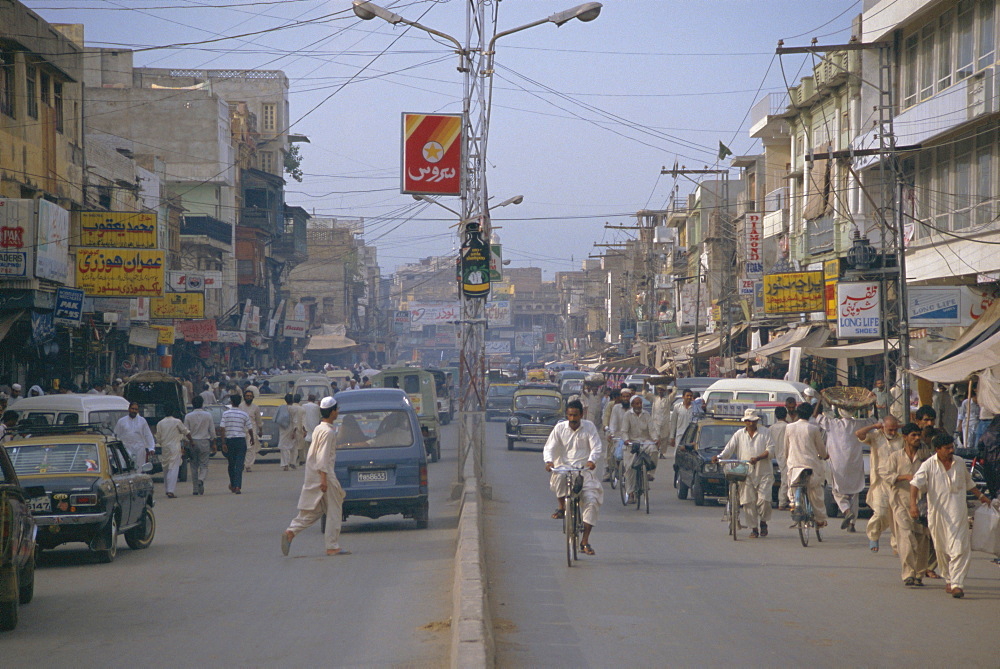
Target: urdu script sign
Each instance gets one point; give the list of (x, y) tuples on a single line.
[(794, 292)]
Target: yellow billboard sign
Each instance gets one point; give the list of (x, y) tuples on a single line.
[(120, 272), (178, 305), (794, 292), (166, 334), (118, 229)]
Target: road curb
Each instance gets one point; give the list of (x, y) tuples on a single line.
[(471, 628)]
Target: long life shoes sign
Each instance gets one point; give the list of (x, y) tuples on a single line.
[(432, 154)]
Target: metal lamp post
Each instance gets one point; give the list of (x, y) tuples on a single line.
[(476, 65)]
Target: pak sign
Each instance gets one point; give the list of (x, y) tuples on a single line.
[(858, 312), (17, 233), (432, 154), (755, 245), (793, 292), (69, 306)]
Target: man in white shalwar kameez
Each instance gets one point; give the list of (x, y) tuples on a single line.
[(637, 426), (252, 409), (662, 403), (321, 491), (946, 479), (288, 419), (170, 431), (310, 419), (807, 450), (753, 444), (847, 465), (884, 440), (912, 537), (780, 452), (575, 442), (134, 433)]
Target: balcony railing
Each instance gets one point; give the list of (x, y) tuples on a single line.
[(770, 105), (262, 219), (213, 228)]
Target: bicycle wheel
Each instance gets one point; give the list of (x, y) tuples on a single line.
[(569, 528), (640, 486), (577, 526), (734, 510), (614, 476), (805, 515), (621, 483), (819, 538), (647, 497)]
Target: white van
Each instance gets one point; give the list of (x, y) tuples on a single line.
[(71, 409), (729, 391)]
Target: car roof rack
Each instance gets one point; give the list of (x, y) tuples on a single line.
[(25, 430)]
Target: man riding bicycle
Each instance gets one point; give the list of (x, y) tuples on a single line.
[(575, 442), (637, 426), (806, 452), (753, 444)]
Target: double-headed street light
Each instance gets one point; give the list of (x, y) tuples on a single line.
[(476, 65)]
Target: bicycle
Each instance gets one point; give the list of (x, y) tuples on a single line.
[(641, 477), (736, 472), (572, 518), (613, 470), (803, 512)]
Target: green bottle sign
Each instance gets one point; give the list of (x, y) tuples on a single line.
[(475, 264)]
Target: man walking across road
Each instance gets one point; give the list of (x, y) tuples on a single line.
[(170, 431), (252, 409), (753, 444), (575, 442), (134, 433), (236, 427), (202, 427), (884, 440), (321, 491), (912, 537), (946, 479), (847, 465), (806, 452), (310, 419)]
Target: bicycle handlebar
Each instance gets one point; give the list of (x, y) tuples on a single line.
[(564, 469)]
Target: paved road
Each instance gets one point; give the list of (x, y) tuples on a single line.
[(673, 590), (214, 589)]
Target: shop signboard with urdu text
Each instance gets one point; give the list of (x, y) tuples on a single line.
[(118, 229), (858, 310), (794, 292), (432, 154), (120, 272), (178, 305), (198, 330)]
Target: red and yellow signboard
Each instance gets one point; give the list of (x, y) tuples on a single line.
[(117, 229), (120, 272), (432, 154), (794, 292)]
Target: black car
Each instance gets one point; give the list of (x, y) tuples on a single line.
[(17, 543), (498, 399), (92, 490), (535, 410), (694, 471)]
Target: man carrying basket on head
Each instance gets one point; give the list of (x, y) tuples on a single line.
[(753, 444), (847, 466)]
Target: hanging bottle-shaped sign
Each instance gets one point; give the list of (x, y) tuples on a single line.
[(475, 264)]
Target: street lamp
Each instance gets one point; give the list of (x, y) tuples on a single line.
[(517, 199), (476, 65)]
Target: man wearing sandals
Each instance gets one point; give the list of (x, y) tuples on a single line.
[(806, 451), (884, 439), (946, 478), (753, 445), (575, 442), (911, 535)]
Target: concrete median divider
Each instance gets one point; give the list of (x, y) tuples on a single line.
[(471, 627)]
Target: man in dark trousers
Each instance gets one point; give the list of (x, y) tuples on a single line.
[(236, 427)]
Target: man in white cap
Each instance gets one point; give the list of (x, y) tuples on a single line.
[(753, 445), (15, 393), (321, 492)]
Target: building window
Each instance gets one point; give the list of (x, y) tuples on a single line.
[(944, 50), (987, 34), (7, 83), (269, 116), (31, 91), (57, 94), (266, 160)]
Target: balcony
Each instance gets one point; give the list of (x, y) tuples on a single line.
[(767, 114), (262, 219), (291, 245), (200, 225)]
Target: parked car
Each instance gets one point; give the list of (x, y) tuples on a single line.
[(92, 490), (381, 460), (71, 409), (419, 386), (498, 399), (535, 410), (694, 471), (17, 543)]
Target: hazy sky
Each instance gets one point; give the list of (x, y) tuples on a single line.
[(584, 116)]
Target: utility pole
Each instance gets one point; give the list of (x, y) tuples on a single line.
[(892, 279)]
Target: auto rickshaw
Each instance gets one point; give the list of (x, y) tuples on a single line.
[(419, 386)]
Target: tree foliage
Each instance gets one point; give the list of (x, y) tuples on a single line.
[(293, 163)]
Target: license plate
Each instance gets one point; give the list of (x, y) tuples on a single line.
[(41, 504), (373, 477)]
